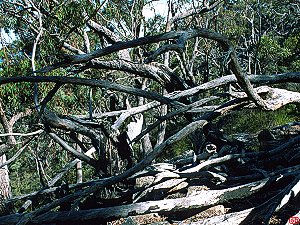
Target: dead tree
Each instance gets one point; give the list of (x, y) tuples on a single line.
[(145, 94)]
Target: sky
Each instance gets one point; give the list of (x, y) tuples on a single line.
[(6, 37), (156, 7)]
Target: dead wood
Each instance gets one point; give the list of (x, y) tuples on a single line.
[(168, 180), (263, 212), (202, 200), (225, 174)]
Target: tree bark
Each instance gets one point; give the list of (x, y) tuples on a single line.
[(5, 192), (200, 201)]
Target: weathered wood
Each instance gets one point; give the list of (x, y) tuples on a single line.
[(173, 114), (262, 213), (157, 191), (227, 219), (153, 170), (77, 154), (294, 191), (215, 173), (5, 191), (257, 79), (188, 159), (190, 128), (202, 200), (162, 170), (93, 83), (25, 206), (225, 43)]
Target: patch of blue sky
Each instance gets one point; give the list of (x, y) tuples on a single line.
[(155, 8), (6, 37)]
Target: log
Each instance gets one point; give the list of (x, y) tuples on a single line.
[(262, 213), (227, 219), (201, 201), (158, 191)]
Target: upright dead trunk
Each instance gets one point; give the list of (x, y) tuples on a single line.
[(5, 191), (79, 175)]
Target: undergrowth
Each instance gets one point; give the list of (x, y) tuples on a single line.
[(254, 120)]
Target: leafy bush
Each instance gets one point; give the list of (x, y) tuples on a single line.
[(254, 120)]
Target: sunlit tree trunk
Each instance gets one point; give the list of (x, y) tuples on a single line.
[(79, 177), (5, 191)]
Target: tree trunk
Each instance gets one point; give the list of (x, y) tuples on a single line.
[(79, 174), (5, 192)]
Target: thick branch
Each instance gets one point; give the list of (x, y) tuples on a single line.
[(223, 41), (202, 200), (81, 58), (190, 128), (91, 83), (73, 151)]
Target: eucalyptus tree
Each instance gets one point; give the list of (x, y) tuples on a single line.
[(101, 84)]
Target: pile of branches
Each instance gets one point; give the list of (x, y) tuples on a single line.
[(248, 187), (223, 184)]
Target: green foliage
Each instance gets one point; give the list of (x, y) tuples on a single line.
[(178, 148), (255, 120), (23, 182), (23, 172), (23, 176), (13, 63), (273, 53), (153, 25), (271, 48)]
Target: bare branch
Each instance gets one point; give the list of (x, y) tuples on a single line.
[(92, 83), (64, 170), (22, 134), (12, 159), (203, 9), (77, 154)]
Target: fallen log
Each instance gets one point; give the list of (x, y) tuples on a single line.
[(227, 219), (262, 213), (201, 201)]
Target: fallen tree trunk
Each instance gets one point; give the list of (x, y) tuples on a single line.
[(227, 219), (200, 201)]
